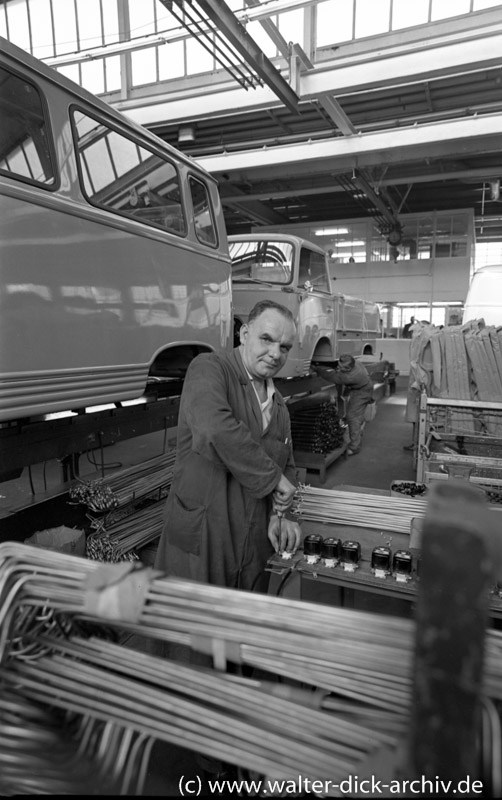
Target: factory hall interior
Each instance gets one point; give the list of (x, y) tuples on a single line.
[(251, 398)]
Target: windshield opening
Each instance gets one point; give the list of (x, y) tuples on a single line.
[(269, 262)]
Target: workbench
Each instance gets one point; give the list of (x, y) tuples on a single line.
[(360, 590)]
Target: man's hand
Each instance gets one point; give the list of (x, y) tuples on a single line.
[(283, 494), (291, 534)]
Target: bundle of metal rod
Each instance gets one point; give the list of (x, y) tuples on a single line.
[(215, 714), (37, 756), (290, 638), (126, 485), (316, 428), (120, 540), (353, 508), (363, 660)]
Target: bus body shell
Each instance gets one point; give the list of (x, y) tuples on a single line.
[(97, 297)]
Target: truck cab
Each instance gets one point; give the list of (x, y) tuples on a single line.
[(295, 273)]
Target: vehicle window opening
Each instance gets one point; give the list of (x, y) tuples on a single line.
[(203, 217), (127, 178), (261, 261), (24, 134), (313, 270)]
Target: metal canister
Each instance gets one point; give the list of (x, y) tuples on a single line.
[(402, 565), (331, 551), (351, 555), (381, 561), (312, 548)]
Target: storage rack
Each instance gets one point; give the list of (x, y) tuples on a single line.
[(459, 426)]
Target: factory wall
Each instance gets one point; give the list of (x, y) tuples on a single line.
[(429, 280)]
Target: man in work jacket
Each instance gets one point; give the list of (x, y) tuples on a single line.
[(234, 464), (354, 377)]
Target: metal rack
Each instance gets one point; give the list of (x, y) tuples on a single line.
[(461, 439)]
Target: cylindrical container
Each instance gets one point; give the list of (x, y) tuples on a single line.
[(331, 551), (402, 564), (381, 561), (312, 548), (351, 555)]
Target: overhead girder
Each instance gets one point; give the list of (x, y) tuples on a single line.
[(330, 104), (255, 209), (442, 139), (451, 54), (272, 30), (404, 75), (234, 32), (475, 49)]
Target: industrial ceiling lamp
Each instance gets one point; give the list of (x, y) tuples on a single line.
[(495, 189), (395, 236), (186, 133)]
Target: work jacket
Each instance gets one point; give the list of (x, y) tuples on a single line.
[(355, 380), (227, 466)]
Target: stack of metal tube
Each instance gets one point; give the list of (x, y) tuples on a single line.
[(342, 700), (316, 428)]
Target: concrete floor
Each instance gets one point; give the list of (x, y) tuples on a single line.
[(382, 458)]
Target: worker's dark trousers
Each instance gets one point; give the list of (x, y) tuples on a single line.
[(354, 415)]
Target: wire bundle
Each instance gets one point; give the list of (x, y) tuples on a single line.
[(270, 728), (127, 485), (119, 541), (37, 756), (362, 510), (363, 661)]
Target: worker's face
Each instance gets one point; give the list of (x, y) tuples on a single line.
[(266, 342)]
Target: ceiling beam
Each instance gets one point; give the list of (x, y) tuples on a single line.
[(475, 134), (272, 31), (254, 208), (398, 66), (330, 104), (227, 24), (405, 178)]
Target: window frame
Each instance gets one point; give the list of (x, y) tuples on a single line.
[(138, 141), (51, 148), (192, 177)]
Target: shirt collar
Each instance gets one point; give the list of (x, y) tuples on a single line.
[(269, 383)]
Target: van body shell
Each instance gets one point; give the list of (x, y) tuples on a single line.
[(94, 302), (295, 273), (484, 296)]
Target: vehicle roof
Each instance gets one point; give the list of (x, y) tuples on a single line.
[(279, 236), (12, 54)]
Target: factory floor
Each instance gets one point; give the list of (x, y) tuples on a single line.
[(380, 461)]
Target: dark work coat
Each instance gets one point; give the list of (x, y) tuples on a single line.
[(358, 382), (217, 512)]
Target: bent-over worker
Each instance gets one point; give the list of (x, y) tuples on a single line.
[(234, 464), (355, 379)]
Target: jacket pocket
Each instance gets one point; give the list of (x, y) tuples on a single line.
[(184, 526)]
